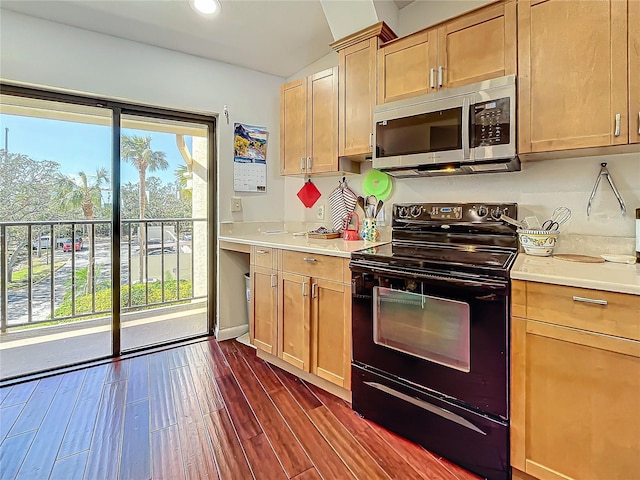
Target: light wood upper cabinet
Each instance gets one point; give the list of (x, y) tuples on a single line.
[(478, 46), (575, 393), (309, 124), (634, 71), (572, 58), (473, 47), (293, 127), (322, 121), (406, 66), (357, 60)]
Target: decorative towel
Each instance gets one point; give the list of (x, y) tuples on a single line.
[(342, 201)]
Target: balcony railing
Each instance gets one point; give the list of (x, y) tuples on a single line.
[(153, 252)]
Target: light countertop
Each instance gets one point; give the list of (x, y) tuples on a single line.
[(335, 247), (611, 277)]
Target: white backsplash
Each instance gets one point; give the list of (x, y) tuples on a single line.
[(540, 187)]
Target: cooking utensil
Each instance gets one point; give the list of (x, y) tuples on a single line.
[(512, 221), (570, 257), (372, 201), (379, 207), (605, 173), (361, 204), (559, 217), (532, 223), (375, 182)]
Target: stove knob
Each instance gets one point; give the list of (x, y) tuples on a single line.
[(402, 212), (496, 213), (482, 211), (416, 211)]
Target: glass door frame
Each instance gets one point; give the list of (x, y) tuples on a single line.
[(118, 109)]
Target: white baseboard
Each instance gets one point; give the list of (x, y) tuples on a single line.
[(231, 332)]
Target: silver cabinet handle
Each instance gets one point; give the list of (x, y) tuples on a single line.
[(261, 252), (304, 289), (639, 123), (301, 164), (309, 163), (371, 137), (274, 280), (314, 290), (589, 300), (432, 74), (309, 259), (440, 75), (616, 133)]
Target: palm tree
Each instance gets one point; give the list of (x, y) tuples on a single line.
[(137, 151), (85, 195), (181, 175)]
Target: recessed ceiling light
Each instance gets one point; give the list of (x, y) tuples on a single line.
[(206, 7)]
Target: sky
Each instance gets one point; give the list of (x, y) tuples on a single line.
[(81, 147)]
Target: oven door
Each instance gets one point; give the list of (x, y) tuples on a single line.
[(444, 333)]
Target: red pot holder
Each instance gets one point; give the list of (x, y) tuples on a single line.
[(309, 194)]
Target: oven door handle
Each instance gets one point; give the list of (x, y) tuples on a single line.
[(429, 407), (485, 284)]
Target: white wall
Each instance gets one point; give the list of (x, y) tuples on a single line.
[(52, 55)]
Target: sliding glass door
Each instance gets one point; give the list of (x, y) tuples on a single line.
[(164, 198), (55, 232), (104, 229)]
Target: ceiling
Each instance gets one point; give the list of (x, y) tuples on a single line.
[(277, 37)]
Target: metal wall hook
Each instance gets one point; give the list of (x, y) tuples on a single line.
[(604, 172)]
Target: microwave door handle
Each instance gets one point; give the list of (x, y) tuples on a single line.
[(466, 125)]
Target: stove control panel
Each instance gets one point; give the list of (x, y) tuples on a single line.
[(445, 213), (455, 212)]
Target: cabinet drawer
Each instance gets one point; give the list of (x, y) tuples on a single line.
[(263, 256), (312, 265), (610, 313)]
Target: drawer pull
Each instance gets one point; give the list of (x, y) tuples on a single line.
[(274, 280), (310, 259), (589, 300), (261, 252), (314, 290), (304, 289)]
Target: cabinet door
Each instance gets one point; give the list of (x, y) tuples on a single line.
[(357, 96), (331, 331), (294, 319), (575, 403), (634, 71), (478, 46), (264, 308), (322, 121), (293, 127), (572, 74), (407, 66)]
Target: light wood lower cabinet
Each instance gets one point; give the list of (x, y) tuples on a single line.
[(294, 319), (301, 312), (263, 308), (575, 394)]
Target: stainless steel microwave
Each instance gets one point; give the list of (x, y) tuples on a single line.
[(468, 129)]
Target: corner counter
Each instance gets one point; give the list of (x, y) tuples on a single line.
[(609, 277)]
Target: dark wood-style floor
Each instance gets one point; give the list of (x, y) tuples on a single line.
[(205, 410)]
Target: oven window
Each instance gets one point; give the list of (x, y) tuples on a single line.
[(436, 329)]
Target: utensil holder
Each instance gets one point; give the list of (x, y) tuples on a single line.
[(370, 229)]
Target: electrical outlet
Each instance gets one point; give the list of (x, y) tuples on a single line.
[(320, 212), (236, 204)]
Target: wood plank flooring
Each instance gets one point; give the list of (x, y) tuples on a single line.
[(204, 410)]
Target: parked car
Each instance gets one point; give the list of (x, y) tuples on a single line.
[(66, 246), (163, 251)]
